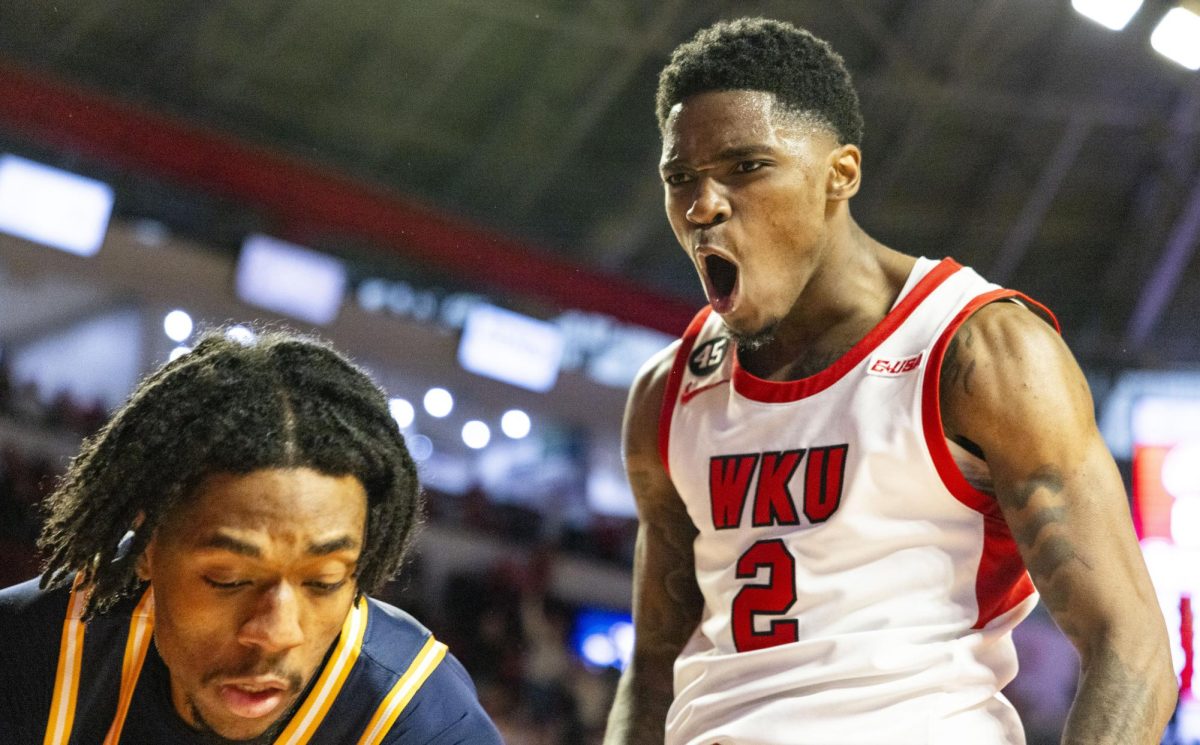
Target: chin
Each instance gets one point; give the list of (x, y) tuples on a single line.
[(242, 731), (752, 340)]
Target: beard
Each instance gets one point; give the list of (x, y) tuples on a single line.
[(749, 342), (210, 736)]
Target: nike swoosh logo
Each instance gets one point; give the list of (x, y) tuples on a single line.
[(689, 392)]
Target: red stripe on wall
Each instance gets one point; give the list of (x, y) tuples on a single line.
[(303, 197)]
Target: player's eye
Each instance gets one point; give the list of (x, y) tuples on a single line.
[(325, 588), (230, 585), (746, 166), (675, 179)]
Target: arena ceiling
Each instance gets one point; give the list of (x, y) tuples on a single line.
[(1054, 155)]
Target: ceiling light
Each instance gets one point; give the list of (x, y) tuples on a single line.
[(438, 402), (402, 411), (241, 335), (1114, 14), (178, 352), (515, 423), (1177, 37), (476, 434), (178, 325), (420, 447), (53, 207)]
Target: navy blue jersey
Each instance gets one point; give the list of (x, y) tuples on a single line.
[(385, 681)]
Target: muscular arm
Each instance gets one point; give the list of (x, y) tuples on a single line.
[(1011, 388), (666, 600)]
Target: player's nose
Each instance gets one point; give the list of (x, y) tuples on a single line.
[(709, 203), (275, 622)]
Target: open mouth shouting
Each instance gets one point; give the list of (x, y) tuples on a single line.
[(720, 275)]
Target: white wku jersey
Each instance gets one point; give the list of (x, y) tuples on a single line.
[(858, 588)]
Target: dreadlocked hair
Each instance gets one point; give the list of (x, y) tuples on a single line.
[(803, 72), (281, 401)]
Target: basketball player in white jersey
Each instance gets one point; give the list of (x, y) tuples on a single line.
[(856, 466)]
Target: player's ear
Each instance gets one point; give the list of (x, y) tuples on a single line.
[(142, 565), (845, 172), (144, 560)]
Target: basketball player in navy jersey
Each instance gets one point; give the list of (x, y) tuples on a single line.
[(208, 556), (856, 466)]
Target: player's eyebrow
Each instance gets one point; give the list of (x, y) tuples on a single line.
[(737, 152), (344, 543), (226, 542), (733, 152)]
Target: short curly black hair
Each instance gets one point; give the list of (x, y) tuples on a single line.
[(760, 54), (281, 400)]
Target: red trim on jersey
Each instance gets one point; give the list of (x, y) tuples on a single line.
[(774, 392), (675, 380), (1002, 580)]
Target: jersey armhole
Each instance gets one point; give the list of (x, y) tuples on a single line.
[(931, 410), (1001, 582), (675, 381)]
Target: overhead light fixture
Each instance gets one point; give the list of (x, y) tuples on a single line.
[(438, 402), (515, 423), (511, 347), (476, 434), (53, 207), (1113, 14), (178, 325), (240, 334), (1177, 37), (402, 411), (290, 279)]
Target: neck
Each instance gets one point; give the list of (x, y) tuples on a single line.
[(851, 289)]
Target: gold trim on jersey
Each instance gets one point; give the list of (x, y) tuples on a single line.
[(66, 678), (304, 723), (396, 699), (141, 631), (312, 712)]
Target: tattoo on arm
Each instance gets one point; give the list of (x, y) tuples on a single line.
[(958, 365), (1114, 705), (667, 612), (1038, 527)]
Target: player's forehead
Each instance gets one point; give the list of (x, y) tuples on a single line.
[(298, 507), (708, 123)]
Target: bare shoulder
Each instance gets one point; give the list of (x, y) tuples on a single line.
[(643, 411), (1006, 372), (650, 383)]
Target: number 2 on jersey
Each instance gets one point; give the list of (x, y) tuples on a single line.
[(773, 598)]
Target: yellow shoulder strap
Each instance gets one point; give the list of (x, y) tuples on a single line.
[(312, 712), (66, 679), (141, 631), (402, 692)]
